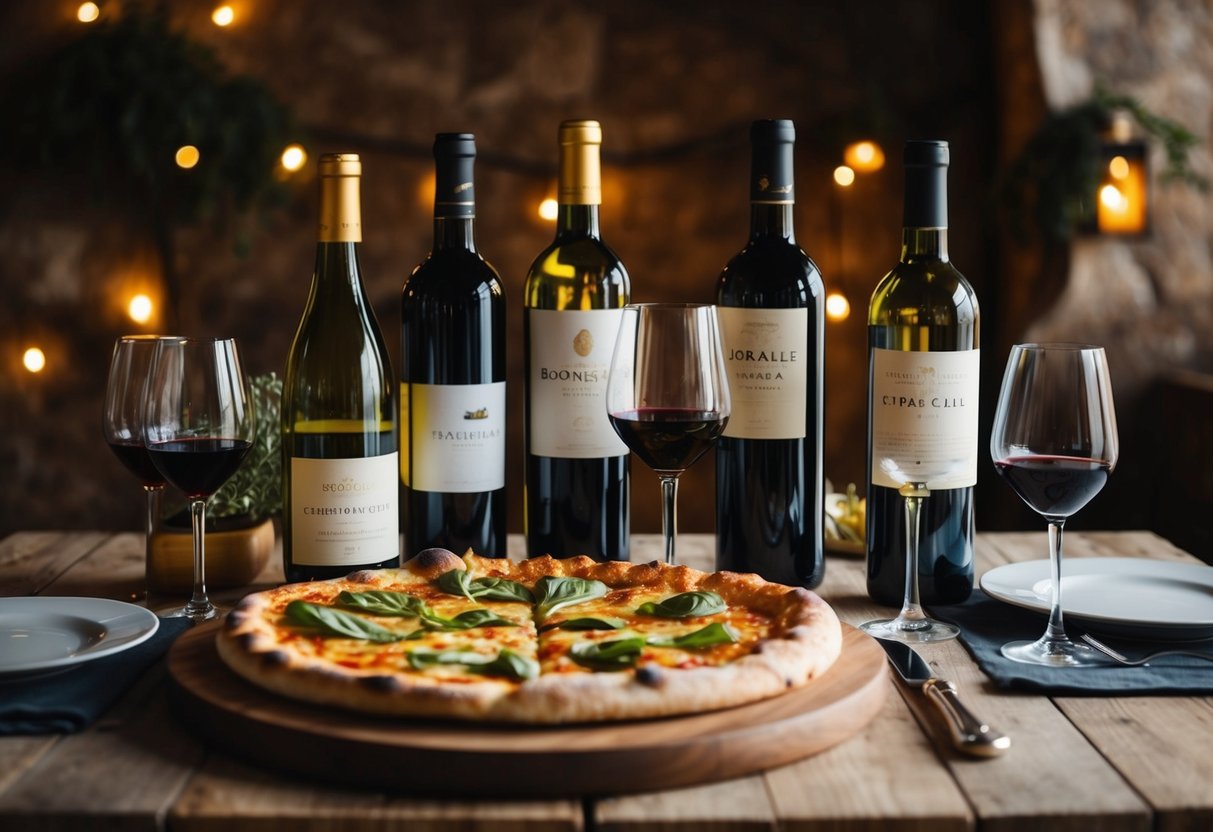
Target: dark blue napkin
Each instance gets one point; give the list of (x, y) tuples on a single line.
[(63, 703), (986, 625)]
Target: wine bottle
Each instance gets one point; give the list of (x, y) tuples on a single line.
[(340, 466), (577, 468), (923, 336), (452, 381), (769, 480)]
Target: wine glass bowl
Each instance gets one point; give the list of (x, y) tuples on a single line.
[(667, 393), (197, 426), (1055, 442)]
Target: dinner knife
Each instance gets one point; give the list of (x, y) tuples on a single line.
[(969, 734)]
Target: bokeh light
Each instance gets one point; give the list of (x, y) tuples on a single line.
[(223, 15), (34, 360), (294, 157), (1119, 167), (844, 176), (187, 156), (838, 308), (140, 309), (87, 13), (864, 157), (549, 209)]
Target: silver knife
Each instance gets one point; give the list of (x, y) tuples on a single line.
[(969, 734)]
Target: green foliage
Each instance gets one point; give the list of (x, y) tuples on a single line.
[(1056, 177), (255, 489)]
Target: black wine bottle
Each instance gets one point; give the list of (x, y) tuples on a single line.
[(340, 466), (577, 468), (923, 336), (769, 481), (452, 381)]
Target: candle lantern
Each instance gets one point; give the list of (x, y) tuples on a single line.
[(1122, 198)]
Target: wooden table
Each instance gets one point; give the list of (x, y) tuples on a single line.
[(1139, 763)]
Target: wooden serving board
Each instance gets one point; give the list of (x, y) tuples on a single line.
[(474, 759)]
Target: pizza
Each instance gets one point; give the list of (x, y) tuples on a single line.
[(536, 641)]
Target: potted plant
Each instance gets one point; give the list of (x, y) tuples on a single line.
[(240, 516)]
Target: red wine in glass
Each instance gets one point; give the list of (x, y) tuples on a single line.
[(668, 438), (198, 467), (135, 457), (1054, 486)]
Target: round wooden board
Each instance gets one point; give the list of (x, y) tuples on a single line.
[(473, 759)]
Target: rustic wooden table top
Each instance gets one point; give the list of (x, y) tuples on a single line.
[(1132, 763)]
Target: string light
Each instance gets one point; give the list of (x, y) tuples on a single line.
[(1119, 167), (187, 156), (844, 176), (87, 13), (34, 360), (223, 16), (838, 308), (140, 309), (549, 209), (294, 157), (864, 157)]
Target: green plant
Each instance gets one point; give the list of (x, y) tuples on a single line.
[(1055, 178), (255, 490)]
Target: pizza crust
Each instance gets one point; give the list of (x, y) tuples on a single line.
[(804, 640)]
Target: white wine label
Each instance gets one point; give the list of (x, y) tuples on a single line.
[(924, 418), (456, 437), (766, 353), (345, 512), (566, 391)]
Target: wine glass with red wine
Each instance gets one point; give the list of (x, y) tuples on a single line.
[(1055, 443), (122, 423), (667, 393), (198, 426)]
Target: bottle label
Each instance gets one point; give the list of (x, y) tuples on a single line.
[(456, 437), (766, 353), (345, 512), (924, 418), (566, 395)]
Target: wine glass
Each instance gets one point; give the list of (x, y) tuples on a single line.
[(198, 426), (667, 393), (1055, 443), (122, 424)]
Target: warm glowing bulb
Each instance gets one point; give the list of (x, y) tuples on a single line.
[(87, 13), (1112, 198), (187, 156), (140, 309), (838, 308), (223, 16), (294, 157), (34, 360), (549, 210), (1119, 167), (864, 157), (844, 176)]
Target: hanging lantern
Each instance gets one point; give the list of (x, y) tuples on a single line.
[(1122, 199)]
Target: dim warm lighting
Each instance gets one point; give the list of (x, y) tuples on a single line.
[(864, 157), (140, 309), (838, 308), (1119, 167), (1111, 198), (187, 156), (223, 16), (87, 13), (549, 209), (844, 176), (294, 157), (34, 360)]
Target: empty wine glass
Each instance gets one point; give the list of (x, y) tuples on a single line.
[(667, 393), (1055, 443), (198, 426), (122, 424)]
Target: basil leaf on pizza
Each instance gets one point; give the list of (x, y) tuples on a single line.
[(685, 605), (510, 665), (333, 622), (460, 582), (467, 620), (592, 623), (616, 654), (555, 592), (385, 602), (422, 658), (456, 582), (709, 636)]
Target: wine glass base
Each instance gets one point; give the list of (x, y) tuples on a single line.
[(911, 631), (1055, 653), (197, 614)]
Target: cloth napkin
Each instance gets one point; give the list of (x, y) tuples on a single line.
[(70, 701), (986, 624)]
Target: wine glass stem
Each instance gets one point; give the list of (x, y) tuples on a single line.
[(669, 513), (911, 610), (1056, 630), (199, 605), (149, 530)]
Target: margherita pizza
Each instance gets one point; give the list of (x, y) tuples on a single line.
[(542, 640)]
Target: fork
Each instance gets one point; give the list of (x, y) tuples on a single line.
[(1127, 662)]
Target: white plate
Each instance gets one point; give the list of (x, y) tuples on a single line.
[(1132, 596), (42, 634)]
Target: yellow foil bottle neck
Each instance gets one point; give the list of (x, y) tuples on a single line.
[(580, 166), (340, 199)]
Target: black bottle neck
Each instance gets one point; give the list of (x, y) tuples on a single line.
[(925, 227), (454, 233), (574, 221), (771, 221)]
